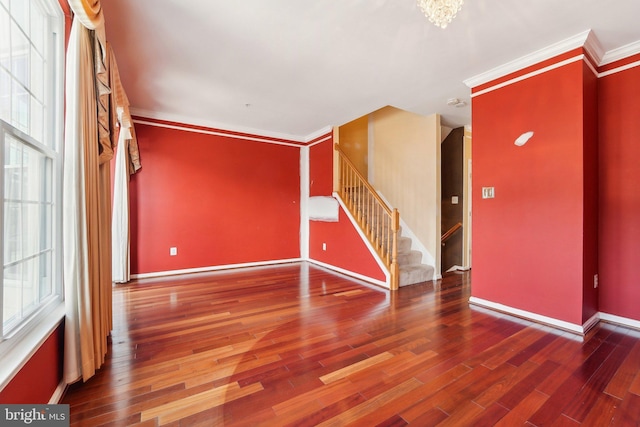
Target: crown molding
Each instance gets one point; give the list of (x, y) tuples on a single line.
[(319, 133), (621, 53), (580, 57), (594, 48), (579, 40), (176, 118)]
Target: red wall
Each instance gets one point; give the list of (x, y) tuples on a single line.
[(37, 381), (619, 195), (345, 248), (528, 240), (321, 169), (220, 200), (590, 188)]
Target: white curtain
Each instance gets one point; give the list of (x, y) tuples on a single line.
[(120, 217), (127, 162)]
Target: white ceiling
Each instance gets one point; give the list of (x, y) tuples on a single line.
[(293, 67)]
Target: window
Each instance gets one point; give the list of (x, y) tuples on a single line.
[(31, 71)]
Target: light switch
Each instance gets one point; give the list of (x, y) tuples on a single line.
[(488, 193), (454, 200)]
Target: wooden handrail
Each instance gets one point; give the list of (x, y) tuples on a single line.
[(446, 236), (377, 220), (364, 181)]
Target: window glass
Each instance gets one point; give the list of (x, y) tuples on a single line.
[(29, 69)]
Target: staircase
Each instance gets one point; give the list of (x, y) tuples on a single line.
[(381, 225), (410, 264)]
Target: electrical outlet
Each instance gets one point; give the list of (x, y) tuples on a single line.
[(595, 281), (173, 251), (324, 246)]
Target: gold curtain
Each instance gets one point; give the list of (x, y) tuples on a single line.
[(89, 12), (87, 196)]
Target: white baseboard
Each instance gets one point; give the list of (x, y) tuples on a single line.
[(619, 320), (351, 273), (561, 324), (579, 329), (593, 321), (56, 397), (213, 268)]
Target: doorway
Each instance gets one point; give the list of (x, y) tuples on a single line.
[(453, 200)]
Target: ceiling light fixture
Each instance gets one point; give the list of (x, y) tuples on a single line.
[(456, 102), (440, 12)]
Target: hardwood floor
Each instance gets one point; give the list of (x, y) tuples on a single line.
[(298, 345)]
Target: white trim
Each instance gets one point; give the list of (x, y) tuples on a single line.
[(531, 74), (20, 344), (304, 203), (353, 274), (591, 322), (591, 67), (619, 69), (318, 134), (212, 132), (213, 268), (56, 397), (224, 127), (534, 58), (594, 48), (586, 39), (620, 53), (326, 138), (366, 241), (624, 321), (571, 327)]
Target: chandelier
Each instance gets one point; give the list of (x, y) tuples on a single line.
[(440, 12)]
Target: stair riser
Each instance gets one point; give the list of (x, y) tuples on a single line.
[(409, 261), (409, 258), (416, 276)]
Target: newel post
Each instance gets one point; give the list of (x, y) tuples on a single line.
[(395, 270)]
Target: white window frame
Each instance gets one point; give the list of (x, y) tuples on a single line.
[(22, 342)]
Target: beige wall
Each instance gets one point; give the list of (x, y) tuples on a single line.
[(406, 170), (354, 143)]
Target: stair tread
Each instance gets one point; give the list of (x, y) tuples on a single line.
[(414, 267), (408, 259)]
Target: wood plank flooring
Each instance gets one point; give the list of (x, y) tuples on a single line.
[(297, 345)]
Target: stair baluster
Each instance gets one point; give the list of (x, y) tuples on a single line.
[(380, 223)]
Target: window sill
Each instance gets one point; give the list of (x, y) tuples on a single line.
[(16, 351)]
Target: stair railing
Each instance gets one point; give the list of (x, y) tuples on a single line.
[(378, 222), (446, 236)]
